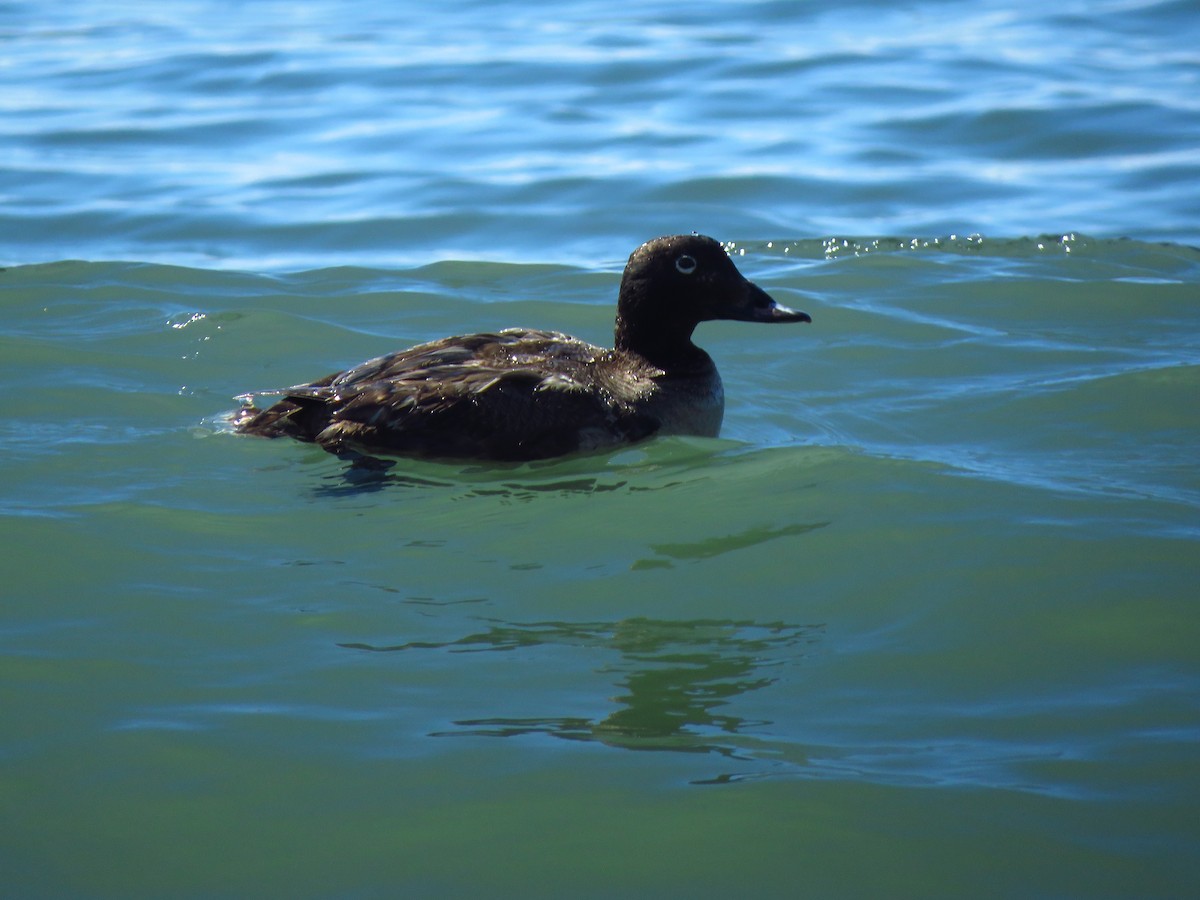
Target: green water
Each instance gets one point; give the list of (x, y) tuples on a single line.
[(921, 623)]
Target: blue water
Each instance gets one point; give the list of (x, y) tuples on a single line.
[(921, 622), (302, 135)]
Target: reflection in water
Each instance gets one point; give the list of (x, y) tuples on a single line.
[(677, 679), (661, 464), (716, 546), (367, 476)]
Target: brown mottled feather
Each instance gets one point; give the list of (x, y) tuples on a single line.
[(514, 394)]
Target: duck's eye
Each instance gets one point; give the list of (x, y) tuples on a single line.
[(686, 264)]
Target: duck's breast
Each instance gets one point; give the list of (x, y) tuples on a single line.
[(690, 405)]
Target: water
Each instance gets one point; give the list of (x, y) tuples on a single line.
[(922, 622)]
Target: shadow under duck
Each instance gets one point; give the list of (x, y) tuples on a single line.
[(520, 394)]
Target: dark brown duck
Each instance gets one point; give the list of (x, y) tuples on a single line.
[(519, 394)]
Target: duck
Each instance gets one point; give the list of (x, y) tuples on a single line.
[(520, 394)]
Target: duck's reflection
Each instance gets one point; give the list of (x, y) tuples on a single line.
[(677, 680), (365, 476)]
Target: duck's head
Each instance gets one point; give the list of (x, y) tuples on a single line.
[(672, 284)]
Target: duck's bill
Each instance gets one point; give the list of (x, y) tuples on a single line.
[(761, 307)]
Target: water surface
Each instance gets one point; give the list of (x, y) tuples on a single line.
[(922, 622)]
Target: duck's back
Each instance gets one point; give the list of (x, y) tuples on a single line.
[(515, 394)]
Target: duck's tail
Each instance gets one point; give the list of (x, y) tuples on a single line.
[(292, 417)]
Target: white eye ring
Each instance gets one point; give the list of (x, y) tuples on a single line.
[(685, 264)]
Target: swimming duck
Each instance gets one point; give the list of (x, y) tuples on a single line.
[(519, 394)]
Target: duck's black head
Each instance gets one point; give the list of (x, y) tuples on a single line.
[(672, 284)]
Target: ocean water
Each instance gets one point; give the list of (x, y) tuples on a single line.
[(922, 622)]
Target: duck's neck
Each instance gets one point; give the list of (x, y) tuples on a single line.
[(671, 349)]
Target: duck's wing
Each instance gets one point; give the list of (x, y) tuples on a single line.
[(515, 394), (513, 348), (419, 370)]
